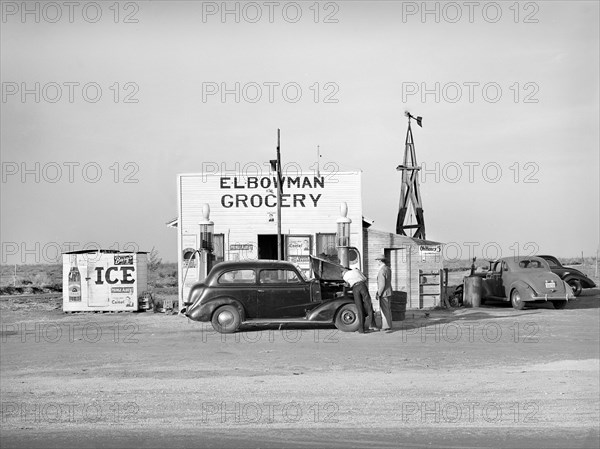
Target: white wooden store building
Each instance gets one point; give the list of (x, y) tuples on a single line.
[(244, 212)]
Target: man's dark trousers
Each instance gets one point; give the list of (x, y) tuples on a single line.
[(362, 300)]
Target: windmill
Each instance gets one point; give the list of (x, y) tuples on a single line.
[(410, 214)]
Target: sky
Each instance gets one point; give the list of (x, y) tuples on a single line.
[(103, 104)]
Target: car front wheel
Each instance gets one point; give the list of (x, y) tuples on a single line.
[(226, 319), (515, 299), (575, 285), (346, 319), (558, 305)]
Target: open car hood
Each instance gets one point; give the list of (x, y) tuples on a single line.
[(326, 270)]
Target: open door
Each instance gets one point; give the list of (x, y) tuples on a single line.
[(401, 295)]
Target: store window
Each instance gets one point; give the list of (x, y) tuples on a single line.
[(219, 248), (298, 251), (326, 247)]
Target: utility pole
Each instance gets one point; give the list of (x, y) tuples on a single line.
[(318, 161), (276, 167), (279, 193)]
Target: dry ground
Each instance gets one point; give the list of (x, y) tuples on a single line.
[(487, 377)]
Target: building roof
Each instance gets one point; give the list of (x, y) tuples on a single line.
[(174, 222), (426, 242), (104, 251), (398, 238)]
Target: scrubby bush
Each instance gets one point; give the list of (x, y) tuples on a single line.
[(41, 279), (154, 262)]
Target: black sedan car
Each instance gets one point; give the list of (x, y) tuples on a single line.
[(575, 278), (267, 291)]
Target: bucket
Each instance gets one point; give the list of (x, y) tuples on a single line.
[(472, 291)]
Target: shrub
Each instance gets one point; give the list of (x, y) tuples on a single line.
[(41, 279), (154, 262)]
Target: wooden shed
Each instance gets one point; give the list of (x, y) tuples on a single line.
[(417, 268)]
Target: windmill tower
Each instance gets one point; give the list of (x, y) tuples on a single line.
[(410, 214)]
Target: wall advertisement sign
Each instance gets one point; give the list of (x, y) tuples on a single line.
[(430, 249), (255, 192), (298, 251), (103, 280)]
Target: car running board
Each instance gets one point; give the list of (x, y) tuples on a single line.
[(283, 321)]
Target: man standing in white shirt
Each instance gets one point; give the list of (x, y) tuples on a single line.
[(358, 282)]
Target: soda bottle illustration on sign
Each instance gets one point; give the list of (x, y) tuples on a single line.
[(74, 281)]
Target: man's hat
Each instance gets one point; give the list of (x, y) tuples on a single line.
[(382, 258)]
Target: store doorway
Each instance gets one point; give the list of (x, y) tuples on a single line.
[(267, 246)]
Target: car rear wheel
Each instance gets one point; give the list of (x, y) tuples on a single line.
[(515, 299), (346, 319), (559, 304), (575, 285), (226, 319)]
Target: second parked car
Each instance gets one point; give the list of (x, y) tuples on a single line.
[(575, 278)]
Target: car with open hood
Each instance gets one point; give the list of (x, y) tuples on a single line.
[(523, 280), (271, 292)]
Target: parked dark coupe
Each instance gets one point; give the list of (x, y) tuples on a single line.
[(575, 278), (267, 291), (525, 279)]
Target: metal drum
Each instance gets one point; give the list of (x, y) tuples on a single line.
[(473, 291), (398, 305)]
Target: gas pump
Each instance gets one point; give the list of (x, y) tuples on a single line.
[(197, 253), (343, 234)]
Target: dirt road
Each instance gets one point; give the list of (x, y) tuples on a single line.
[(487, 377)]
